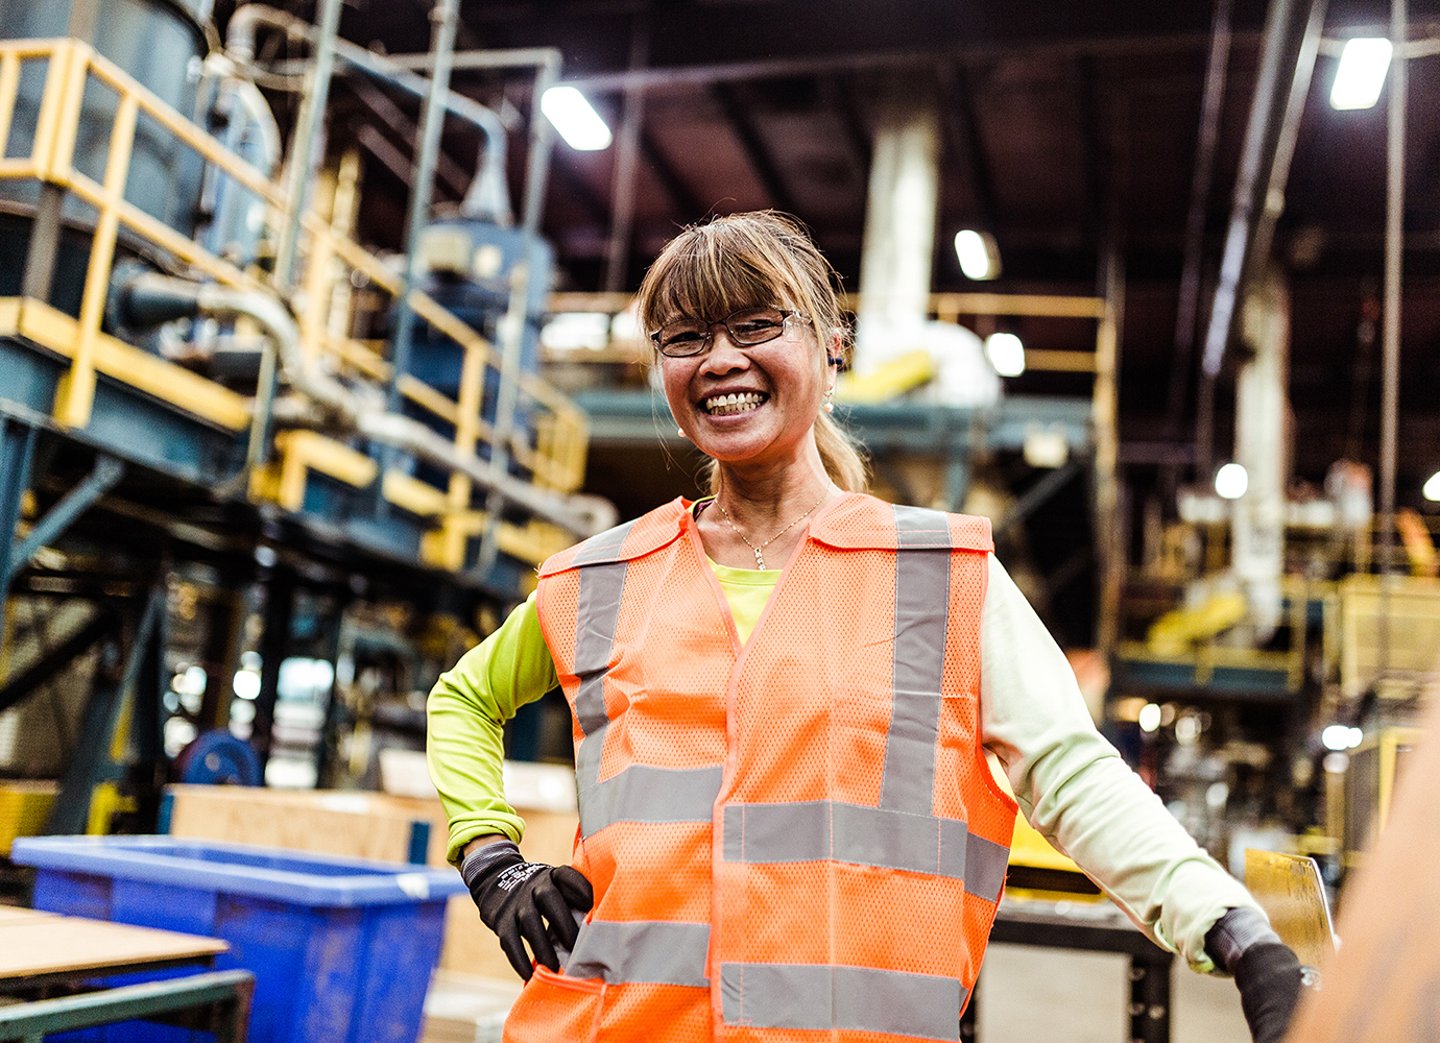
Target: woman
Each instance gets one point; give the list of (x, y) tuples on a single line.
[(782, 697)]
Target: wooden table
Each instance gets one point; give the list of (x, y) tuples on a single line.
[(43, 953), (38, 948)]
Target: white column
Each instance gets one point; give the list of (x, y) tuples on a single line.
[(900, 216), (1262, 445)]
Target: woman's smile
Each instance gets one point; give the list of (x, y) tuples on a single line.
[(734, 403)]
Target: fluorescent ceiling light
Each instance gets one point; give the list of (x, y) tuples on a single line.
[(1006, 353), (578, 123), (979, 255), (1231, 481), (1432, 488), (1361, 73)]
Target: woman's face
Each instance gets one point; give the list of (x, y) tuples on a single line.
[(749, 405)]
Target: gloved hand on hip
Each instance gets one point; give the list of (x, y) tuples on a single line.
[(527, 902), (1266, 972)]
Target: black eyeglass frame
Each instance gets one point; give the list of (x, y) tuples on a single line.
[(703, 345)]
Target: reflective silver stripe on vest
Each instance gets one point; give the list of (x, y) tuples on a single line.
[(639, 793), (922, 606), (857, 999), (604, 546), (597, 613), (816, 830), (650, 951), (985, 863)]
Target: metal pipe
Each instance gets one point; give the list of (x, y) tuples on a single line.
[(1287, 45), (307, 130), (627, 156), (364, 415), (1110, 515), (1286, 135), (446, 15), (1216, 73), (1390, 330), (511, 329), (499, 58), (241, 47), (542, 137)]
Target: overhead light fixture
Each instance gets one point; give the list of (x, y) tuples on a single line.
[(1431, 489), (1231, 481), (979, 254), (1341, 737), (1150, 715), (578, 123), (1361, 74), (1006, 353)]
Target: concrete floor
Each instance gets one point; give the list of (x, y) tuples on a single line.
[(1030, 994)]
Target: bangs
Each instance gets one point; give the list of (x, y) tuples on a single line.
[(711, 271)]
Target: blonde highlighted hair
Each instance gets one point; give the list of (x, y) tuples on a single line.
[(710, 270)]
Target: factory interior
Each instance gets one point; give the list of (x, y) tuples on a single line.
[(317, 336)]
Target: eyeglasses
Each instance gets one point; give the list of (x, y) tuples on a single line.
[(685, 338)]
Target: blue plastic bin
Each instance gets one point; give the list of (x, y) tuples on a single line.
[(341, 948)]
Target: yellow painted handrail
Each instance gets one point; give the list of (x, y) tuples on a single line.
[(552, 448)]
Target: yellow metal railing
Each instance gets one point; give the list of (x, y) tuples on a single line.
[(550, 448)]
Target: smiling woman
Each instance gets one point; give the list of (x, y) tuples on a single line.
[(782, 711), (739, 274)]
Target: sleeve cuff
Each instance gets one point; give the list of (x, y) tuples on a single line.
[(1234, 933)]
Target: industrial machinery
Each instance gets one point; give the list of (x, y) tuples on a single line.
[(225, 426)]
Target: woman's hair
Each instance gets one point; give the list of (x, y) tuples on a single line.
[(710, 270)]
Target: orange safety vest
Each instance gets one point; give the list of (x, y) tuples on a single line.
[(795, 835)]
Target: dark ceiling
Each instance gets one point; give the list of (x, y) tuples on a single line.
[(1065, 127)]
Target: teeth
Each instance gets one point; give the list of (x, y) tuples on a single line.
[(738, 402)]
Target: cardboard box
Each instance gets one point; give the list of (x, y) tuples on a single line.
[(382, 826)]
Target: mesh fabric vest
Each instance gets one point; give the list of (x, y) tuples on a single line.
[(797, 840)]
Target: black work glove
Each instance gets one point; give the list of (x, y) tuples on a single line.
[(1268, 977), (1266, 972), (517, 899)]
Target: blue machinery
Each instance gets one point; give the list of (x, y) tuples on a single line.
[(170, 402)]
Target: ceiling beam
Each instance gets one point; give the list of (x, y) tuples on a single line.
[(754, 147), (391, 116), (962, 122), (681, 197), (1093, 151), (574, 185), (836, 92)]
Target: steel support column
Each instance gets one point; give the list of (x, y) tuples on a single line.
[(90, 762), (77, 501), (274, 646), (18, 687), (445, 15), (17, 452), (1390, 332)]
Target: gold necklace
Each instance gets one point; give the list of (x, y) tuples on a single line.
[(757, 548)]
